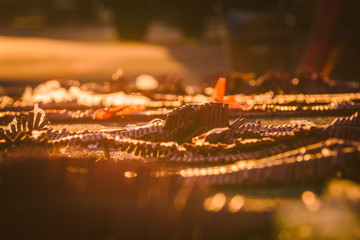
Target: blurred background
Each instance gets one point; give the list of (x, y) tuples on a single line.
[(91, 39)]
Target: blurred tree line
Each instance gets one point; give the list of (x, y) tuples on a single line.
[(130, 17)]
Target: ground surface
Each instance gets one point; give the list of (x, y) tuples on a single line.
[(94, 53)]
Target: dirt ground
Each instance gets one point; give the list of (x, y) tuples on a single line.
[(94, 53)]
